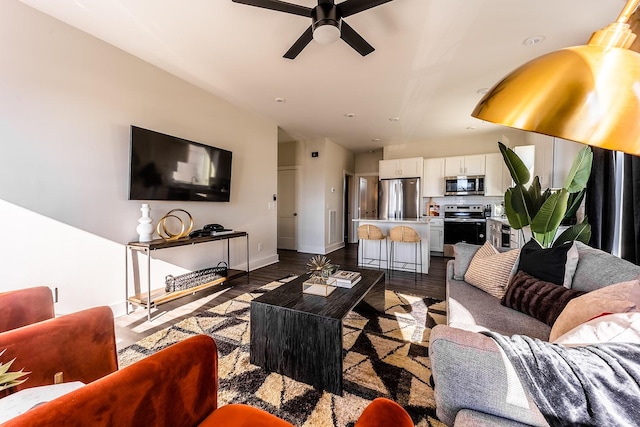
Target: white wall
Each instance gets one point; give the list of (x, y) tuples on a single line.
[(67, 101), (319, 175)]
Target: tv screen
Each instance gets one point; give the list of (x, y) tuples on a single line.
[(165, 167)]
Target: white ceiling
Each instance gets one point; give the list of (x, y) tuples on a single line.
[(431, 57)]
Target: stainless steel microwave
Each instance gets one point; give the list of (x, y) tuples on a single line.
[(464, 185)]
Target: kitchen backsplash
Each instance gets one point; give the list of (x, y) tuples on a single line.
[(459, 200)]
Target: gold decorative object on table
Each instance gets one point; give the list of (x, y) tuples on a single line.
[(319, 283), (167, 235)]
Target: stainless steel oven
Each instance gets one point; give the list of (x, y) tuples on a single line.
[(463, 223)]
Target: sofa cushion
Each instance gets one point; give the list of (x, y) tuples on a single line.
[(538, 298), (473, 309), (598, 269), (617, 327), (471, 372), (556, 265), (619, 298), (463, 253), (491, 270)]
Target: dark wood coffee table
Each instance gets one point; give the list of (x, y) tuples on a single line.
[(300, 335)]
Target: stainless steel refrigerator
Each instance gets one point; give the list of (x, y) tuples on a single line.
[(399, 198)]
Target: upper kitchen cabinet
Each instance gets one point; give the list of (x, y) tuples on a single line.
[(433, 185), (553, 159), (527, 154), (465, 165), (401, 168), (497, 177)]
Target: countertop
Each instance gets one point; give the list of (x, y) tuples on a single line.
[(424, 220), (500, 219)]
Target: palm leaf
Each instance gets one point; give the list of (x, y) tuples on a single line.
[(518, 170), (580, 170), (551, 213), (580, 232), (574, 202), (515, 207), (536, 196)]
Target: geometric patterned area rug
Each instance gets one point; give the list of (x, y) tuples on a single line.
[(385, 355)]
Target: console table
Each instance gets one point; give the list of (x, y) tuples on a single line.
[(153, 298), (300, 335)]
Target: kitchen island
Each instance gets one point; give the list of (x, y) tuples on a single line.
[(403, 251)]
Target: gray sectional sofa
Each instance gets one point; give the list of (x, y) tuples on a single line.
[(473, 384)]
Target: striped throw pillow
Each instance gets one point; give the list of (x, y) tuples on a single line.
[(491, 270)]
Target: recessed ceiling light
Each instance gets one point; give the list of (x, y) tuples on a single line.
[(533, 40), (280, 100), (394, 119), (471, 127), (483, 90), (375, 140), (350, 115)]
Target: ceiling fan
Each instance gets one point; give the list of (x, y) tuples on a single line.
[(327, 23)]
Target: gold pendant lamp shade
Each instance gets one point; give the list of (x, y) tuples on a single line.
[(588, 94)]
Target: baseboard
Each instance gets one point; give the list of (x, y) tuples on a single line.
[(322, 250)]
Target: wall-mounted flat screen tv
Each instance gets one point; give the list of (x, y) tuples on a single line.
[(165, 167)]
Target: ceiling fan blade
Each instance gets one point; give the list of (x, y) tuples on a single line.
[(351, 7), (278, 5), (300, 44), (354, 40)]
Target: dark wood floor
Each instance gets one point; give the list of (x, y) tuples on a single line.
[(132, 328)]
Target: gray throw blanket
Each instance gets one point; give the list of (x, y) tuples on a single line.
[(595, 385)]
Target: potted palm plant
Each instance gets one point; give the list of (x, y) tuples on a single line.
[(544, 211)]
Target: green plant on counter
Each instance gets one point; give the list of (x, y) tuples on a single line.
[(10, 379), (544, 211)]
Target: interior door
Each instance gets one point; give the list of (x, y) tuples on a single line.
[(288, 209)]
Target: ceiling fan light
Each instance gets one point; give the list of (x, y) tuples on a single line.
[(326, 33), (588, 94)]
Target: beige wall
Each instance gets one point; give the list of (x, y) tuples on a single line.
[(367, 163), (473, 143), (67, 104), (321, 191)]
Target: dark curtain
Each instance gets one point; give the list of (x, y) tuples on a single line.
[(630, 229), (600, 199)]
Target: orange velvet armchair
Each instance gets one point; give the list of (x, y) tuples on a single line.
[(177, 386), (80, 345), (23, 307)]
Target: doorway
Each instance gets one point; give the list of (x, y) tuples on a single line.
[(368, 197), (288, 209), (348, 208)]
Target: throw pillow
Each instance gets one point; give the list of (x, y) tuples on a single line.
[(556, 265), (491, 270), (463, 253), (619, 298), (537, 298), (617, 327)]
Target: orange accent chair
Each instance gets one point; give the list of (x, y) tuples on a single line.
[(23, 307), (80, 345), (177, 386)]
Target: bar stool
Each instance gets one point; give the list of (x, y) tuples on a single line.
[(371, 232), (404, 234)]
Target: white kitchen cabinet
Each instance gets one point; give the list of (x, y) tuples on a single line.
[(433, 185), (411, 167), (465, 165), (494, 232), (527, 154), (436, 239), (497, 177)]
